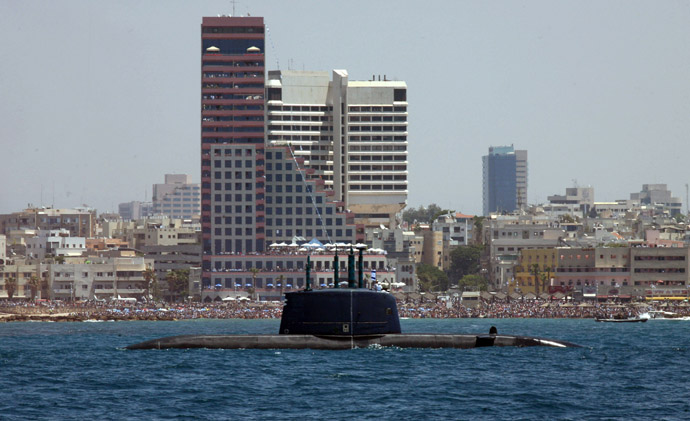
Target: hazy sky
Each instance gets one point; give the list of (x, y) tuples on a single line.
[(99, 99)]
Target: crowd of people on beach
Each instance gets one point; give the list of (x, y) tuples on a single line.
[(94, 310)]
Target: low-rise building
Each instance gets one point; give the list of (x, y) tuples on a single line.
[(54, 243), (99, 279)]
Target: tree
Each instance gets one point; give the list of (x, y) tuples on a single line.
[(11, 286), (254, 271), (477, 282), (178, 283), (464, 260), (151, 281), (431, 278), (535, 271), (422, 214), (34, 284), (546, 278), (478, 229)]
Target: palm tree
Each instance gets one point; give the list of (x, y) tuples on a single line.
[(34, 284), (254, 271), (546, 277), (171, 279), (11, 286), (535, 272)]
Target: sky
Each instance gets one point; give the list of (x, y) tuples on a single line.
[(100, 99)]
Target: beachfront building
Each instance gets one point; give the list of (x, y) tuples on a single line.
[(178, 197), (504, 180), (253, 195), (21, 274), (535, 271), (99, 278), (168, 258), (268, 276), (353, 134), (660, 272)]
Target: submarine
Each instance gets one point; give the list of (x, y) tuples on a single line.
[(344, 318)]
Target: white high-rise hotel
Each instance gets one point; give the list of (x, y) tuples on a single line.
[(353, 134)]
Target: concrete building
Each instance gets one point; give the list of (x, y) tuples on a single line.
[(132, 211), (267, 276), (457, 229), (582, 197), (401, 248), (22, 272), (658, 194), (660, 271), (352, 133), (99, 279), (80, 222), (505, 179), (178, 197), (167, 258), (232, 136), (55, 243)]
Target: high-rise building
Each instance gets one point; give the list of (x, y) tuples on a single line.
[(262, 198), (505, 179), (232, 134), (178, 197), (353, 134)]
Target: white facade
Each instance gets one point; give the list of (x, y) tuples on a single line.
[(101, 279), (55, 242), (352, 133)]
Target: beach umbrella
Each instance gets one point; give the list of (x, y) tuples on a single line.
[(269, 285), (289, 285), (248, 285), (238, 285)]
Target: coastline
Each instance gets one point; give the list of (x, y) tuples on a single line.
[(83, 312)]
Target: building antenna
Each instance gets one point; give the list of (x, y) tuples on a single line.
[(687, 202), (233, 6), (273, 48)]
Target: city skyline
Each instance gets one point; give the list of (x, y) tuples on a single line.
[(97, 110)]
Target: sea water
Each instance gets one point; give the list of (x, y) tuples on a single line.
[(82, 371)]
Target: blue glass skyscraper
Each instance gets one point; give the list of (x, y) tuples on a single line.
[(505, 179)]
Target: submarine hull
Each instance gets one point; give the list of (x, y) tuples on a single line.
[(326, 342)]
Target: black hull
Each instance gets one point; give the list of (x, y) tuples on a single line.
[(345, 342)]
